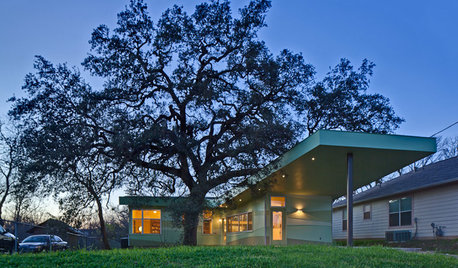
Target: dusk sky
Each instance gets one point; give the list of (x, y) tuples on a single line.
[(413, 43)]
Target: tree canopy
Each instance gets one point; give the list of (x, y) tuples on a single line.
[(197, 99)]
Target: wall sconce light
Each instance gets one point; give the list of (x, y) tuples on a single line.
[(299, 210)]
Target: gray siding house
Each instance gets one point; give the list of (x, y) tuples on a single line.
[(405, 207)]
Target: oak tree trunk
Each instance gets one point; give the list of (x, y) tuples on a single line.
[(191, 221)]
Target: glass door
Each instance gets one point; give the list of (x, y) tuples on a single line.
[(277, 227)]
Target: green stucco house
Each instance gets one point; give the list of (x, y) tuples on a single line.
[(297, 206)]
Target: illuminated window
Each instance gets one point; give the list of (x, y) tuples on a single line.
[(250, 221), (224, 228), (240, 223), (146, 221), (277, 201), (136, 221), (207, 222), (243, 222)]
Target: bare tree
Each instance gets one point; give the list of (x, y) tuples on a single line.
[(8, 165)]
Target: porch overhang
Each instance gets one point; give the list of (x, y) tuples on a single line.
[(318, 165)]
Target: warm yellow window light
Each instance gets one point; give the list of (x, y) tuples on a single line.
[(277, 201), (146, 221), (207, 214), (136, 214), (152, 214)]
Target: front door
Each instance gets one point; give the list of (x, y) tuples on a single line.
[(278, 227)]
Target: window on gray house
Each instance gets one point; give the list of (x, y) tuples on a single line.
[(344, 219), (367, 212), (400, 212)]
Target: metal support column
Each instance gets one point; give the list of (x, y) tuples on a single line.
[(349, 199)]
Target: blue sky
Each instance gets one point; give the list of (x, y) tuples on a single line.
[(413, 43)]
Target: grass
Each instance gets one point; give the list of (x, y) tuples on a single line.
[(436, 245), (233, 256)]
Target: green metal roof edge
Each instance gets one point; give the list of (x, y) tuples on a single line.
[(377, 141), (325, 137)]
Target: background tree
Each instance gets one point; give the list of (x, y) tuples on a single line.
[(85, 184), (197, 99), (7, 167), (61, 141), (340, 101)]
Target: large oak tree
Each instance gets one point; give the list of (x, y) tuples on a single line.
[(197, 99)]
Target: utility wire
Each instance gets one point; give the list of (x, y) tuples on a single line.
[(444, 129)]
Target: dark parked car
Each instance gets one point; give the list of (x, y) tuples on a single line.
[(7, 240), (38, 243)]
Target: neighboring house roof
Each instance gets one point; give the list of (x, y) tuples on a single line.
[(54, 224), (432, 175)]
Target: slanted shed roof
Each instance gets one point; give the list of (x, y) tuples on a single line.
[(318, 165), (432, 175), (51, 225)]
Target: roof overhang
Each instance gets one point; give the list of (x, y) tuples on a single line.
[(318, 165)]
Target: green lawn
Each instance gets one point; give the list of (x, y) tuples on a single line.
[(436, 245), (254, 256)]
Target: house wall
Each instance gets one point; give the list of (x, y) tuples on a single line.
[(215, 238), (169, 235), (313, 223), (372, 228), (255, 236), (438, 205)]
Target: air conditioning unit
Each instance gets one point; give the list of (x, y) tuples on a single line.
[(398, 236)]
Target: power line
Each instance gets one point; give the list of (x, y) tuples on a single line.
[(444, 129)]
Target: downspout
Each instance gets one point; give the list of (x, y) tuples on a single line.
[(416, 227)]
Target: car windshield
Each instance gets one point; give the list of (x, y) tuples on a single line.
[(36, 239)]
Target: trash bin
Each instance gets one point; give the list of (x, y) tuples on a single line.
[(124, 242)]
